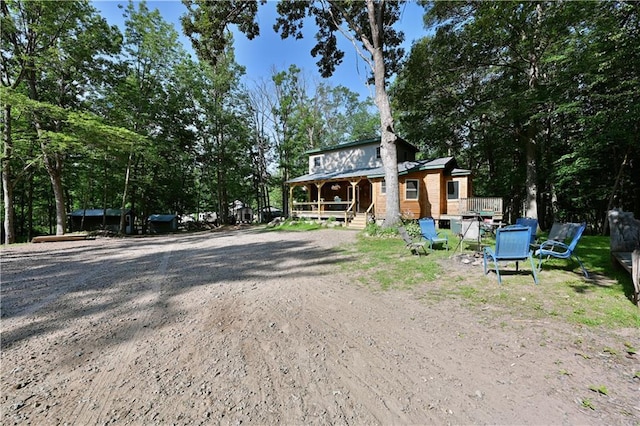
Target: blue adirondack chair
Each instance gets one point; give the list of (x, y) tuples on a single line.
[(429, 233), (512, 244), (560, 250)]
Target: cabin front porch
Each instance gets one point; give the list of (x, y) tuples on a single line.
[(347, 201)]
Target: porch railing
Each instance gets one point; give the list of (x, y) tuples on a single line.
[(323, 209), (481, 204)]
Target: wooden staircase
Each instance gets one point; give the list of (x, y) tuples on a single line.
[(359, 222)]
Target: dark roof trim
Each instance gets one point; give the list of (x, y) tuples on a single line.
[(353, 144)]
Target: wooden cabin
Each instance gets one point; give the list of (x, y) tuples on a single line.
[(347, 182)]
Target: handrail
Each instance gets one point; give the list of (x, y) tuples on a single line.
[(349, 210)]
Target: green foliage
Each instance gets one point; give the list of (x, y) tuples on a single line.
[(495, 76)]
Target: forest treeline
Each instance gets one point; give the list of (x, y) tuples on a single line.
[(539, 99)]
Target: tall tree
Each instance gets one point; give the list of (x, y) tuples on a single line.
[(368, 25), (51, 50)]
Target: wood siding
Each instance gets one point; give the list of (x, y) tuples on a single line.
[(432, 200)]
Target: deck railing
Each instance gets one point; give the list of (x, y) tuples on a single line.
[(481, 204)]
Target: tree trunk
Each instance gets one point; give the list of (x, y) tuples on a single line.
[(7, 185), (531, 207), (388, 138), (122, 228), (605, 225), (53, 164)]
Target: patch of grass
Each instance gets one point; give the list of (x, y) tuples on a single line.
[(387, 264), (630, 349), (381, 261), (296, 225), (602, 390), (586, 403)]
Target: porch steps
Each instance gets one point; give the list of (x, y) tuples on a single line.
[(359, 222)]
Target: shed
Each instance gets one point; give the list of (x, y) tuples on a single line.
[(241, 212), (100, 219), (163, 223)]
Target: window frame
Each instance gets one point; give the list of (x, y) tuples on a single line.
[(455, 194), (416, 190)]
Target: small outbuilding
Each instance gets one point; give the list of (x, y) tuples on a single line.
[(100, 219), (163, 223), (241, 212)]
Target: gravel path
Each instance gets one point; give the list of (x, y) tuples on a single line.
[(259, 327)]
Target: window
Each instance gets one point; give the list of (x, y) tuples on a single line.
[(452, 190), (378, 153), (383, 187), (411, 189), (317, 161)]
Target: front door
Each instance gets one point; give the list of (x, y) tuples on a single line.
[(363, 191)]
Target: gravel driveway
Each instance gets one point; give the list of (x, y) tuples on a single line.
[(246, 326)]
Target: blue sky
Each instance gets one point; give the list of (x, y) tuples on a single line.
[(261, 55)]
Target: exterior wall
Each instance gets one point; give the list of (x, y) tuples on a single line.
[(453, 206), (346, 159), (432, 200), (409, 208), (380, 208)]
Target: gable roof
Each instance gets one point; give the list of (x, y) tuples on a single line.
[(404, 168), (354, 144)]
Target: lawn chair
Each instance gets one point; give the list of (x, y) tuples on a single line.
[(512, 244), (429, 233), (560, 250), (414, 246), (530, 223)]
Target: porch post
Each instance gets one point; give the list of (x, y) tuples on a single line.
[(319, 186), (353, 197), (290, 200)]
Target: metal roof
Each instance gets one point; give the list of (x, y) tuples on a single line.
[(162, 217), (98, 212), (378, 172)]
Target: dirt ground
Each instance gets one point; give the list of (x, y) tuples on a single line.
[(250, 327)]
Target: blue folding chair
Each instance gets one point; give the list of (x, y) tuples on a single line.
[(512, 244), (530, 223), (560, 250), (429, 233)]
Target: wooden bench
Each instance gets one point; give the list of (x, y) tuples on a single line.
[(631, 262), (55, 238), (625, 246)]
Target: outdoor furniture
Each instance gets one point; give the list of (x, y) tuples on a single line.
[(414, 246), (530, 223), (560, 250), (625, 246), (468, 229), (429, 232), (512, 244)]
